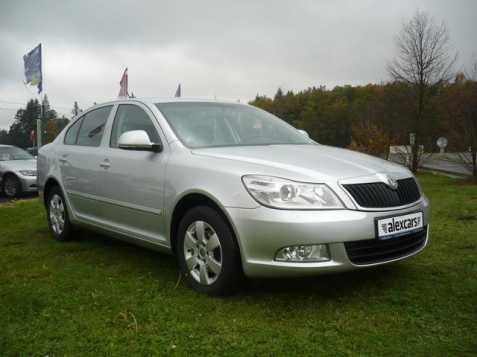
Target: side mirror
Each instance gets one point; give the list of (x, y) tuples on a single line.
[(137, 140), (304, 132)]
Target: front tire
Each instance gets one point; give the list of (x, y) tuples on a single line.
[(207, 251), (57, 214), (11, 186)]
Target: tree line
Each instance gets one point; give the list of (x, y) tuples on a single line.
[(372, 117), (22, 131)]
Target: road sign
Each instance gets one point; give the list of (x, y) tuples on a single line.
[(442, 143)]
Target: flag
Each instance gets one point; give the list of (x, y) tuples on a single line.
[(178, 91), (123, 91), (32, 63)]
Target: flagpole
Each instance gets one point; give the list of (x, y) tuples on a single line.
[(38, 126), (42, 111)]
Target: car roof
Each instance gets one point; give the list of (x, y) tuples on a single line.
[(5, 146), (178, 100), (154, 100)]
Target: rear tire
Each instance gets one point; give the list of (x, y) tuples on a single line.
[(11, 186), (57, 214), (207, 251)]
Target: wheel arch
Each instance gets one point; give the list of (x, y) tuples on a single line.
[(194, 199), (9, 173), (49, 184)]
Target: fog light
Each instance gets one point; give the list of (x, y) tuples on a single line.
[(304, 253)]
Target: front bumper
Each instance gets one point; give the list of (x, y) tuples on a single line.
[(262, 231), (29, 183)]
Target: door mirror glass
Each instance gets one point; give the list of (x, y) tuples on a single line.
[(137, 140)]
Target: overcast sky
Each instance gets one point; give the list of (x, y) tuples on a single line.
[(228, 49)]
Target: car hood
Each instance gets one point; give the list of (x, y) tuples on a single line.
[(309, 160), (16, 165)]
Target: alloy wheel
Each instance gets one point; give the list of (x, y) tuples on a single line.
[(203, 252), (57, 214)]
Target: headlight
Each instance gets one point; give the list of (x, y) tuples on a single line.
[(280, 193), (28, 172)]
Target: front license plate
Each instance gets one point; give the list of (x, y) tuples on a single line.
[(395, 226)]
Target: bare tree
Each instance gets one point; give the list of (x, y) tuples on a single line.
[(424, 61)]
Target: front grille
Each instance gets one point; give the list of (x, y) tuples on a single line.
[(375, 251), (379, 195)]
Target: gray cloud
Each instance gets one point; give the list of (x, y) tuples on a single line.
[(229, 49)]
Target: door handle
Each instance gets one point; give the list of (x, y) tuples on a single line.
[(105, 164), (62, 159)]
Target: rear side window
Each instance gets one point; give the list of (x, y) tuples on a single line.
[(72, 133), (92, 126), (131, 117)]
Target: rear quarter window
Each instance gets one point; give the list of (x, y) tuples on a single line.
[(92, 127), (72, 133)]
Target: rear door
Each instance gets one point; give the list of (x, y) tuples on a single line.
[(132, 182), (80, 160)]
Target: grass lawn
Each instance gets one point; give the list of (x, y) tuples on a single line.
[(98, 296)]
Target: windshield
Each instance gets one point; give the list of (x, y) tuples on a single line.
[(216, 124), (13, 153)]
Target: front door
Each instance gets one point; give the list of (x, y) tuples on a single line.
[(132, 182)]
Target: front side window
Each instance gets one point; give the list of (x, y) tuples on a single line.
[(199, 124), (131, 117), (92, 126)]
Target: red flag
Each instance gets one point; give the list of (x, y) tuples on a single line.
[(123, 91)]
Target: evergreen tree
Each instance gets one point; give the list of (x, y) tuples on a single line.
[(24, 124), (76, 109), (48, 113), (4, 138), (45, 103)]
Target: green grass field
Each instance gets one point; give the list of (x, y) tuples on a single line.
[(97, 296)]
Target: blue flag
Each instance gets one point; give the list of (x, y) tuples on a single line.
[(32, 62)]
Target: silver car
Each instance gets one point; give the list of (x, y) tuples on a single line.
[(17, 171), (230, 189)]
